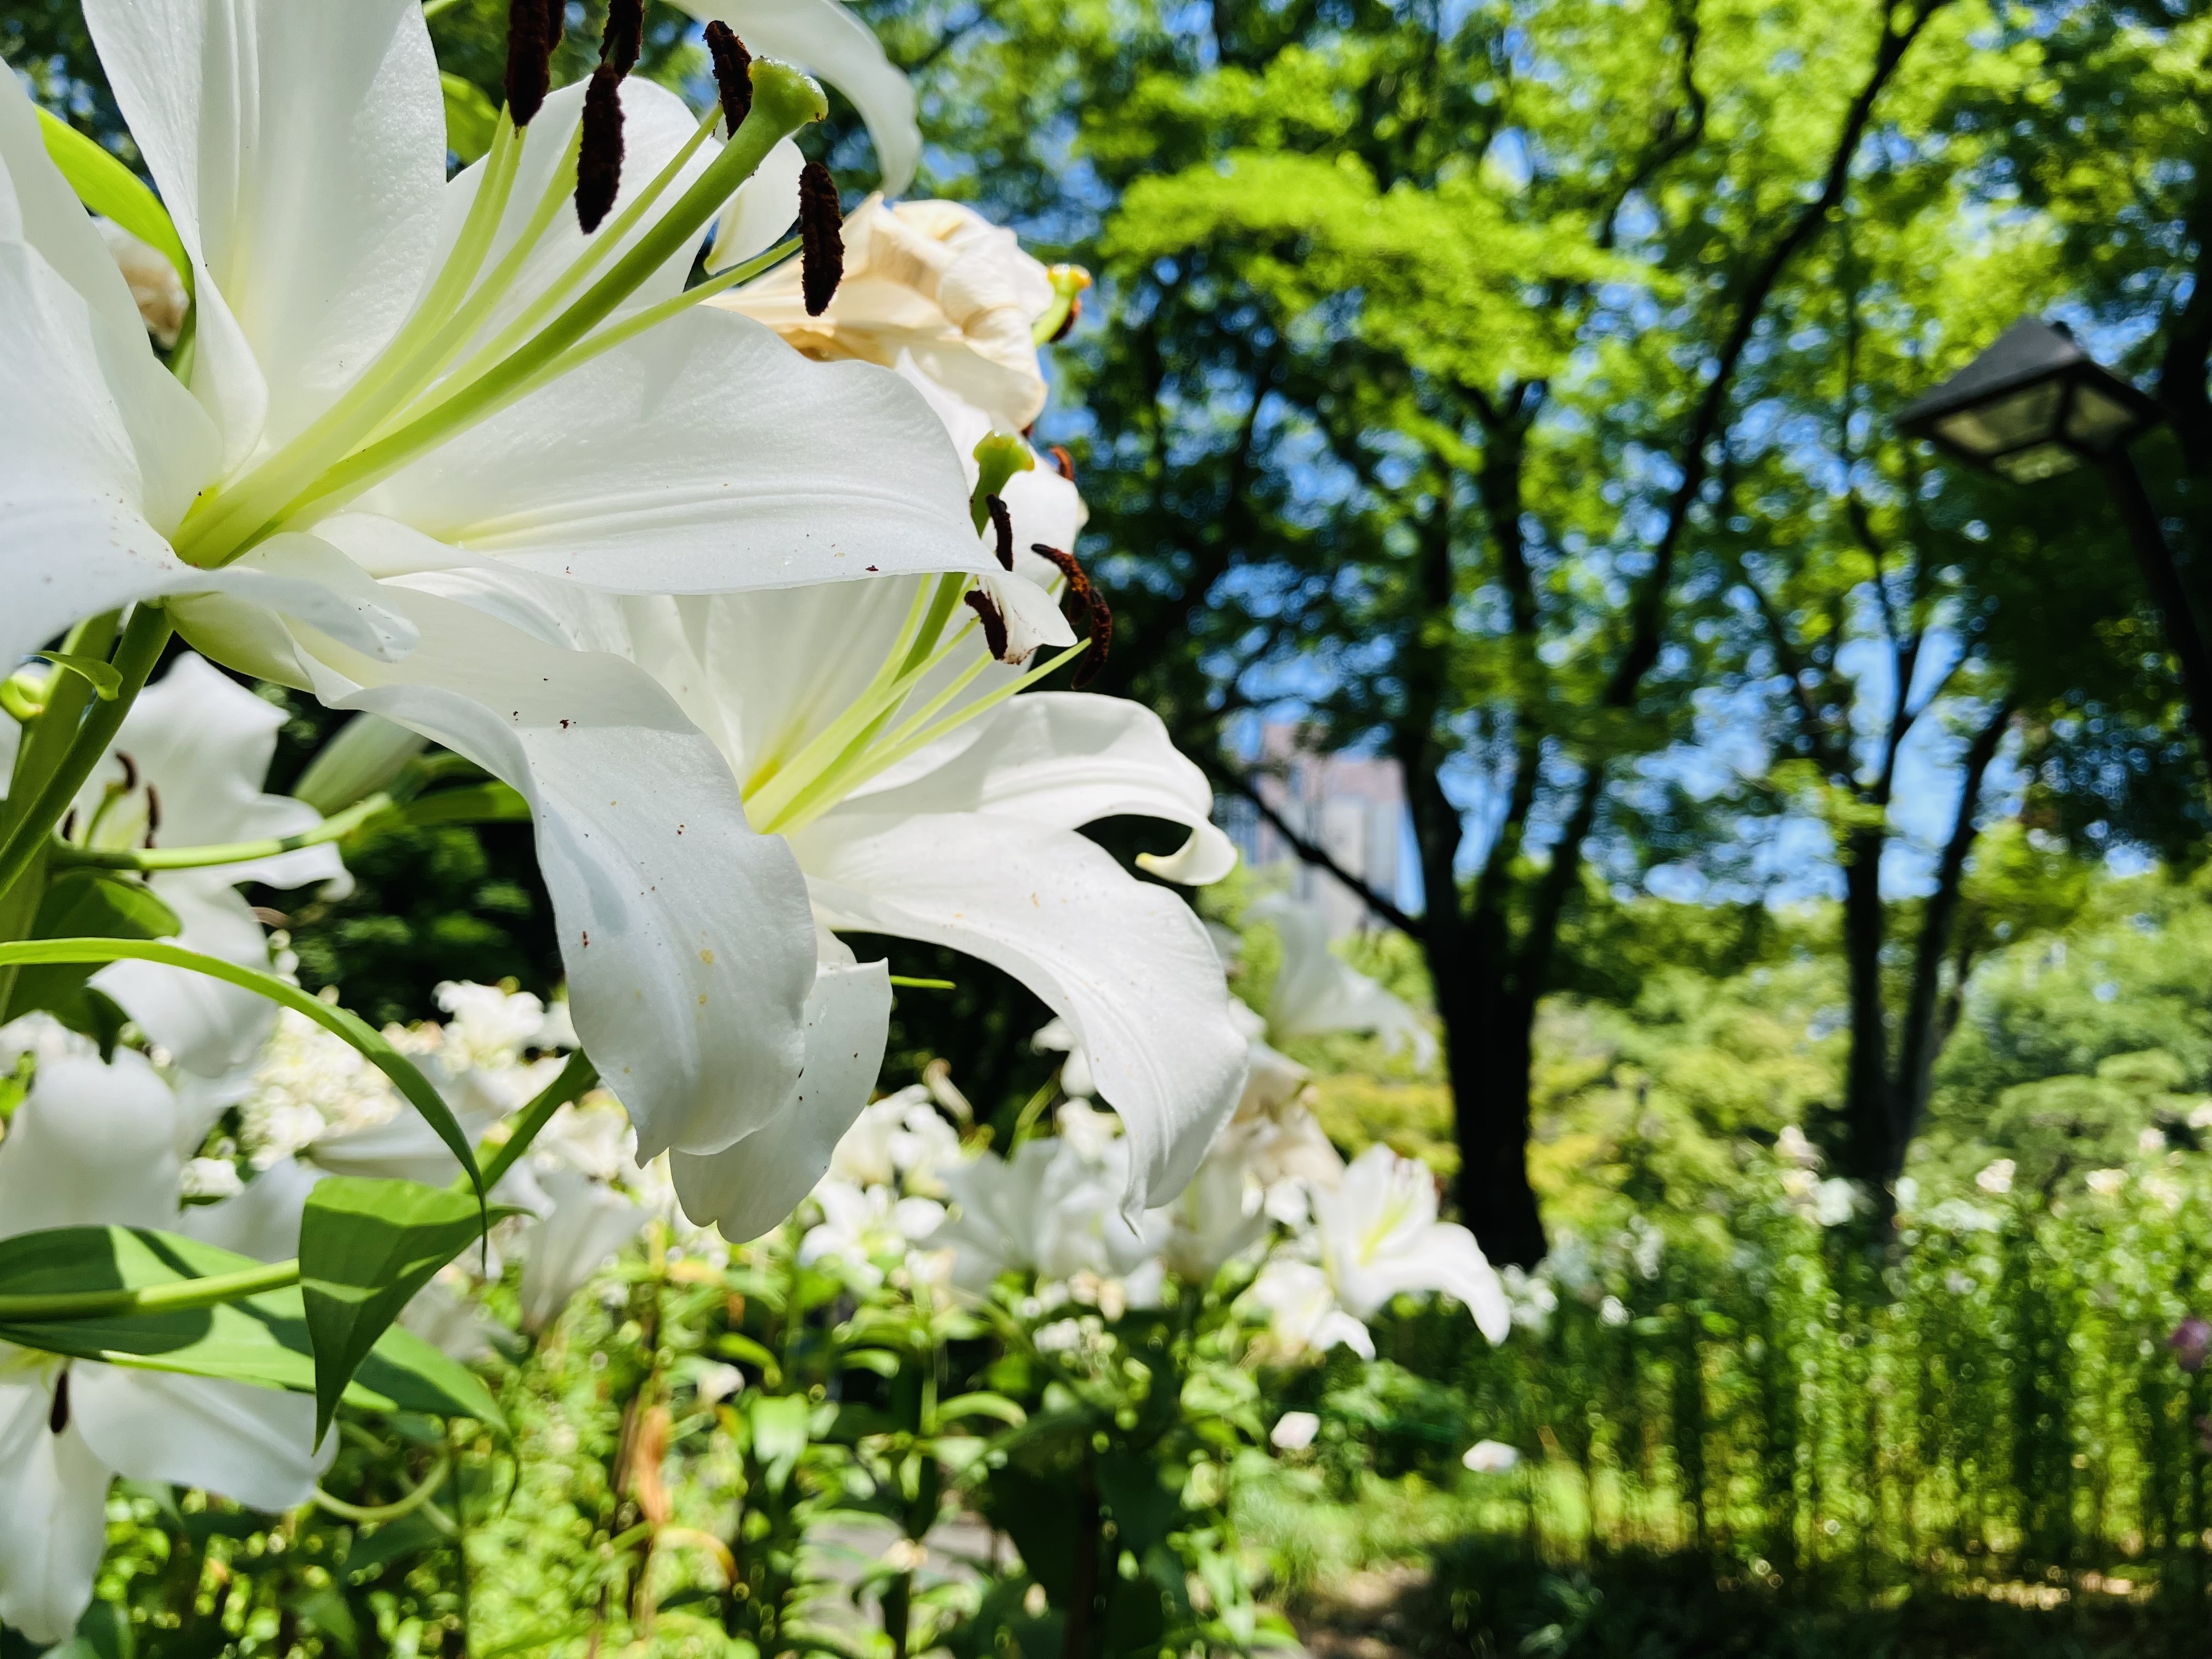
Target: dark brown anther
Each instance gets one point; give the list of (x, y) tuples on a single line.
[(69, 824), (1064, 461), (599, 156), (531, 34), (1067, 323), (994, 624), (822, 240), (557, 24), (130, 771), (623, 38), (58, 1419), (733, 73), (153, 812), (1083, 604), (1003, 525)]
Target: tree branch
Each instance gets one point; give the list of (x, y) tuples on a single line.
[(1649, 617), (1313, 852)]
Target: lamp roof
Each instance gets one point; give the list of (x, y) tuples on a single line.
[(2030, 351)]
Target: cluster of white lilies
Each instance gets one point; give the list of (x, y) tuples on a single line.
[(740, 583)]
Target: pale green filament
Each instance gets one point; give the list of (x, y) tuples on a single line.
[(869, 735), (407, 402)]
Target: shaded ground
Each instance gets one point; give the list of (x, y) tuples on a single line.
[(1481, 1601)]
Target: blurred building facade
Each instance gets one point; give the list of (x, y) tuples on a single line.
[(1351, 806)]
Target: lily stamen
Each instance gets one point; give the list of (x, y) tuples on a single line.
[(821, 221), (407, 404)]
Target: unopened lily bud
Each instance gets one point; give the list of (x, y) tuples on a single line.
[(156, 287), (366, 754)]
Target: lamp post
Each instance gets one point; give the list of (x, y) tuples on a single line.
[(2034, 405)]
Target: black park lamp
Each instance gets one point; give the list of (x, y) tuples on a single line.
[(2034, 405)]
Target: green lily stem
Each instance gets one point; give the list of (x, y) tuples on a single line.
[(180, 1297), (397, 1509), (144, 636), (45, 740), (576, 1079), (342, 1023), (334, 828)]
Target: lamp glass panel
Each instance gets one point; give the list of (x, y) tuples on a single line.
[(2097, 422), (2036, 462), (2026, 415)]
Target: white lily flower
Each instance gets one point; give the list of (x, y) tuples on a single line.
[(187, 770), (1379, 1235), (1491, 1457), (394, 429), (487, 1027), (971, 841), (935, 282), (443, 1315), (156, 287), (1317, 992), (900, 1141), (1055, 1209), (1303, 1312), (587, 1223), (994, 1226), (93, 1145), (863, 1226), (1218, 1216)]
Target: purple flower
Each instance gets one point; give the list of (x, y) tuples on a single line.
[(2191, 1343)]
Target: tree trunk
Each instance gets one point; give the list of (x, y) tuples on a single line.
[(1859, 1146), (1489, 1046)]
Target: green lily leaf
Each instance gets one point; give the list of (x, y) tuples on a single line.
[(82, 903), (366, 1247), (339, 1021), (259, 1338)]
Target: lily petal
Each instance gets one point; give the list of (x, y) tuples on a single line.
[(300, 145), (253, 1445), (702, 456), (92, 1145), (1126, 963), (750, 1187), (53, 1516), (96, 454), (1065, 759), (207, 1027), (824, 37), (588, 1224), (762, 210), (687, 938)]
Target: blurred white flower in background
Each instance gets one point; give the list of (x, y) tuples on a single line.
[(96, 1145), (862, 1228), (1489, 1457), (1294, 1430), (1996, 1178), (1379, 1235)]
